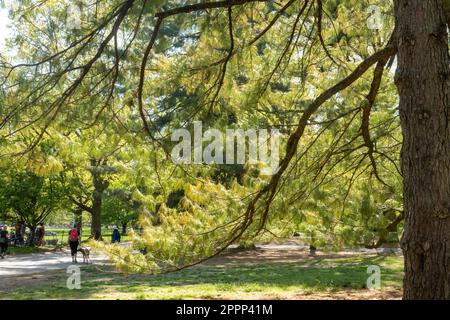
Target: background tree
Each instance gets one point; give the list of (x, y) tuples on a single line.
[(91, 173), (30, 197), (120, 209)]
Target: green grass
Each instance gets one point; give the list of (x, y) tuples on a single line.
[(263, 280), (26, 250), (62, 234)]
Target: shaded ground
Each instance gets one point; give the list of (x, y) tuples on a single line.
[(288, 253), (268, 273)]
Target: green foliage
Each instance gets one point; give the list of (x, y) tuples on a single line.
[(30, 197), (119, 208)]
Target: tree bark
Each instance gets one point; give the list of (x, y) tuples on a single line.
[(422, 80), (96, 223), (32, 239), (124, 228), (100, 185), (78, 214)]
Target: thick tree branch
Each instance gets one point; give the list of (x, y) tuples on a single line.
[(319, 30), (203, 6), (392, 227), (227, 59), (81, 205), (365, 125)]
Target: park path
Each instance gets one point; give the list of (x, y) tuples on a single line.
[(24, 264)]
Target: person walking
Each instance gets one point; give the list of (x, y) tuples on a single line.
[(115, 235), (74, 236), (3, 241)]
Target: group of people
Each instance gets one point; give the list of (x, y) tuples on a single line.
[(37, 238), (17, 237), (20, 237)]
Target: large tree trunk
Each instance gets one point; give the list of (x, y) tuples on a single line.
[(78, 214), (96, 223), (423, 84), (100, 185), (32, 238)]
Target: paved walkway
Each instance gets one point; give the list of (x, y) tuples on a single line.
[(24, 264)]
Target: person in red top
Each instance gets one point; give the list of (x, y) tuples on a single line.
[(74, 236)]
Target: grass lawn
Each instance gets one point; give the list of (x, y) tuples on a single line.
[(62, 234), (320, 277), (25, 250)]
